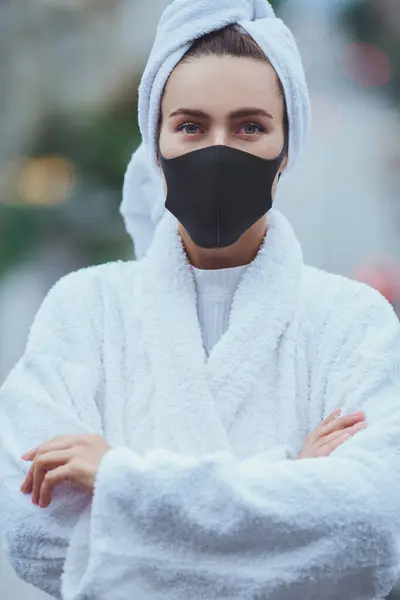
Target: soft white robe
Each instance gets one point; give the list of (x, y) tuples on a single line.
[(198, 498)]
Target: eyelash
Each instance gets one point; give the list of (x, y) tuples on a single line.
[(182, 127)]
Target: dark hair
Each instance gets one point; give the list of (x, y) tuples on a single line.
[(233, 41), (230, 41)]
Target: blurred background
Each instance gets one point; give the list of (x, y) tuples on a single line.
[(68, 120)]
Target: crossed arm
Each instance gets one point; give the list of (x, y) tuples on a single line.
[(166, 526)]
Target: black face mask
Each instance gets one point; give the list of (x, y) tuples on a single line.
[(218, 193)]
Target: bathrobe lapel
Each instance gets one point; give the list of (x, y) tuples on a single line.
[(184, 412), (262, 308), (196, 400)]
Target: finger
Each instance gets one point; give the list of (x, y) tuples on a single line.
[(340, 424), (30, 454), (327, 449), (44, 463), (338, 434), (26, 486), (51, 479), (60, 442), (314, 435), (333, 416)]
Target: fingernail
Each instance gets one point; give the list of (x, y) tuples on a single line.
[(29, 453), (360, 426)]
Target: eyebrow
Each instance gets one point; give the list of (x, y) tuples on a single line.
[(237, 114)]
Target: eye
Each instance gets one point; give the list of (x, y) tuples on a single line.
[(252, 129), (189, 128)]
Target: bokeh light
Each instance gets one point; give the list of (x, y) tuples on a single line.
[(46, 181), (383, 274), (367, 65)]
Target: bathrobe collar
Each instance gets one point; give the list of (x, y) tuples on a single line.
[(197, 400)]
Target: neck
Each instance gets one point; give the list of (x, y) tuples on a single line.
[(243, 252)]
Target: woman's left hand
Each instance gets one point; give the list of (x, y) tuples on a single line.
[(67, 458)]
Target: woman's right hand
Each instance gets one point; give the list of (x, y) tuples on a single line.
[(332, 432)]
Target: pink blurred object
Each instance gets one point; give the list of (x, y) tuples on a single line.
[(383, 274), (366, 64)]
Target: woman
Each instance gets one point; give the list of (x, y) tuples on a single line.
[(161, 404)]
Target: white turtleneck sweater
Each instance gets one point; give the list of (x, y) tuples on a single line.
[(215, 293)]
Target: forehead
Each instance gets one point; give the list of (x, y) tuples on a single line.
[(223, 83)]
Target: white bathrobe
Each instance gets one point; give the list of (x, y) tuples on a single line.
[(198, 499)]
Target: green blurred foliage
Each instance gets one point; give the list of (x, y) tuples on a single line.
[(19, 231), (99, 147)]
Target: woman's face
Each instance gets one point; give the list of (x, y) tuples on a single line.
[(222, 100)]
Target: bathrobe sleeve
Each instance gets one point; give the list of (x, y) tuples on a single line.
[(217, 528), (55, 389), (50, 392)]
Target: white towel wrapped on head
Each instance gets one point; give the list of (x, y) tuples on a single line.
[(143, 201), (183, 22)]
